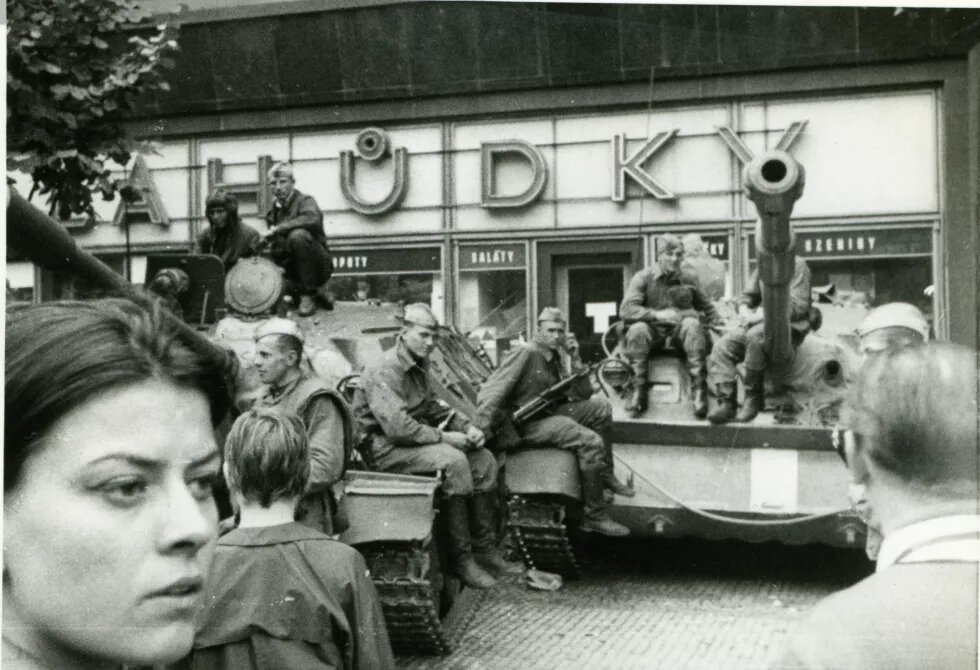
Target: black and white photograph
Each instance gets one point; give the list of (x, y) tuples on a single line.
[(491, 335)]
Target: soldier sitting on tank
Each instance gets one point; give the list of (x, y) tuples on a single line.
[(747, 343), (407, 430), (326, 416), (298, 241), (582, 424), (226, 236), (663, 302)]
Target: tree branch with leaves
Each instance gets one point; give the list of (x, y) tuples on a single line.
[(76, 70)]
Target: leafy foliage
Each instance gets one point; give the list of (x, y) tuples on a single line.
[(73, 76)]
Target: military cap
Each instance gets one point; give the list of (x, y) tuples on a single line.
[(551, 314), (278, 326), (284, 169), (420, 314), (895, 315)]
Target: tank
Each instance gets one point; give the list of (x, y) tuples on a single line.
[(394, 519), (776, 478)]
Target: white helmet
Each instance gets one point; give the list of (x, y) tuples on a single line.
[(894, 324)]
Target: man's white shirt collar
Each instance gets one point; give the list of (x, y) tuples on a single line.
[(947, 538)]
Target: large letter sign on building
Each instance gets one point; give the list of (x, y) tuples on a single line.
[(373, 145), (741, 149), (539, 171), (632, 166)]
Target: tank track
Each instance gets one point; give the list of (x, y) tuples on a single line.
[(539, 533), (409, 585)]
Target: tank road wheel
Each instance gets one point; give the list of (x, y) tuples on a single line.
[(543, 487), (413, 593)]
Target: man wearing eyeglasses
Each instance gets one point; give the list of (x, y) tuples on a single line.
[(408, 430), (911, 441), (662, 302)]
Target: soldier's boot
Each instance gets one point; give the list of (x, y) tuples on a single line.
[(485, 551), (754, 395), (307, 305), (724, 403), (595, 519), (461, 551), (609, 480), (698, 374), (638, 395)]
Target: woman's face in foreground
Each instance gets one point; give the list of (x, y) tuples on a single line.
[(109, 533)]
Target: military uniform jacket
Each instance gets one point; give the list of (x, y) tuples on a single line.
[(236, 240), (299, 211), (651, 290), (330, 430), (525, 373), (395, 401), (288, 596)]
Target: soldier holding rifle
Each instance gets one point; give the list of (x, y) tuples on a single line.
[(577, 422)]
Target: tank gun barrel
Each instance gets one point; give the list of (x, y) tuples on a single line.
[(773, 181), (46, 243)]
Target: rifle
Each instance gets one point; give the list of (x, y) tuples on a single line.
[(550, 396)]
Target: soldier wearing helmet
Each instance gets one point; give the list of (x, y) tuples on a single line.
[(226, 236), (407, 429), (582, 424), (664, 302), (892, 326), (298, 241), (291, 388)]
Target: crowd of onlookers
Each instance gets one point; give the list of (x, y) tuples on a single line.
[(111, 550)]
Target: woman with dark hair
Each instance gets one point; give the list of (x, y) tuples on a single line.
[(281, 594), (109, 458)]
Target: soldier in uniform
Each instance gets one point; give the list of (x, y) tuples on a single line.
[(408, 430), (661, 302), (226, 236), (326, 416), (747, 343), (299, 244), (581, 425)]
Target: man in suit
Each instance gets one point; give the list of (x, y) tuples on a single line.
[(299, 243), (912, 442)]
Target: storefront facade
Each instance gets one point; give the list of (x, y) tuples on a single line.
[(490, 220), (494, 202)]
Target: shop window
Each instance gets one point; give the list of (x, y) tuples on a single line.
[(492, 291), (404, 276), (867, 268), (395, 288)]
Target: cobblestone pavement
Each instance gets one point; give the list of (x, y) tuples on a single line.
[(653, 604)]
